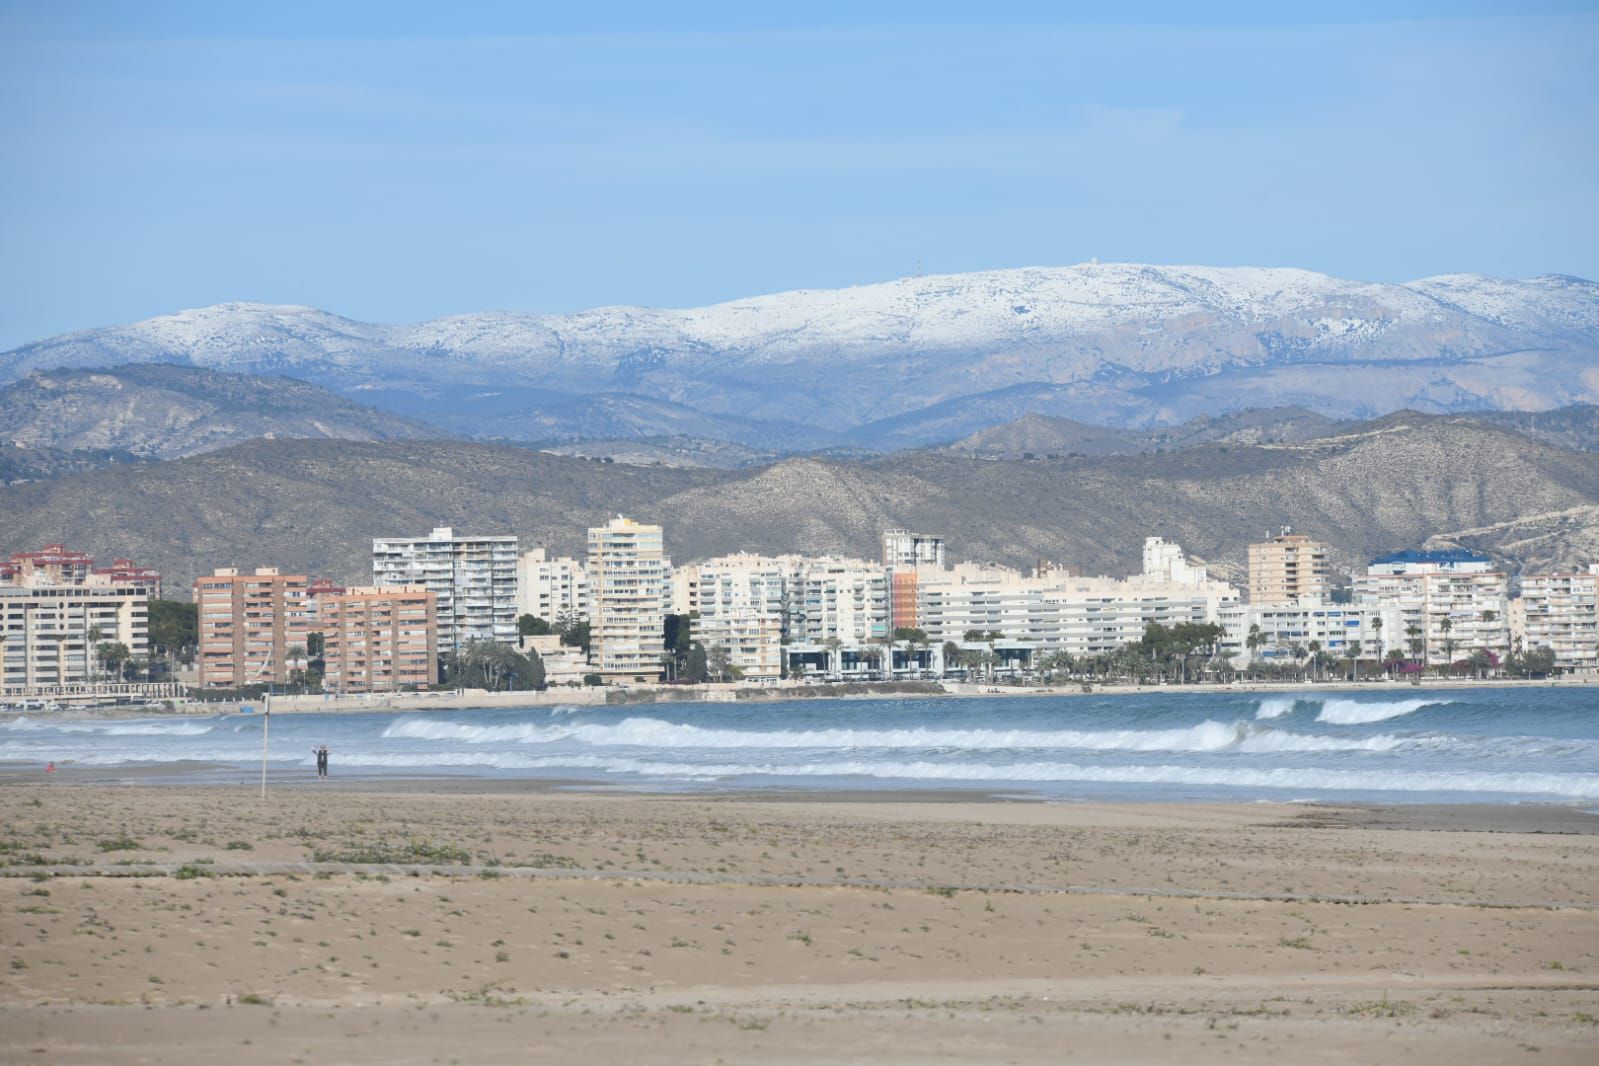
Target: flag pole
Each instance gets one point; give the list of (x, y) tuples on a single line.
[(266, 729)]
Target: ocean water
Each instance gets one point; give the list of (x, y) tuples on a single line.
[(1411, 745)]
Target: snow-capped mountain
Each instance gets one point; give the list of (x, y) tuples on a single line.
[(1118, 343)]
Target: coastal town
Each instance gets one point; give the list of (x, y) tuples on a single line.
[(471, 611)]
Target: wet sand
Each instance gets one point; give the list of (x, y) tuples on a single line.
[(470, 921)]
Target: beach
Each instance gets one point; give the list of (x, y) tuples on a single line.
[(465, 920)]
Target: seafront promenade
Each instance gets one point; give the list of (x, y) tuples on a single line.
[(735, 692)]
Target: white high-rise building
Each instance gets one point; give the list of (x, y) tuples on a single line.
[(1559, 612), (473, 579), (736, 603), (1164, 561), (628, 595), (1449, 603), (552, 589), (904, 549)]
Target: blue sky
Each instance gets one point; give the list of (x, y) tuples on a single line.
[(394, 162)]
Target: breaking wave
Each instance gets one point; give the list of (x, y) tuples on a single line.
[(1356, 712), (114, 728), (1275, 708), (654, 733)]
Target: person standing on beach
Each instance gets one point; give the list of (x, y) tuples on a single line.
[(321, 760)]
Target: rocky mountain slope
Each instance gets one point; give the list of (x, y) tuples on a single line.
[(1033, 436), (1122, 344), (164, 411), (314, 505)]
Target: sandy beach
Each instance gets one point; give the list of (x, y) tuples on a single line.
[(478, 922)]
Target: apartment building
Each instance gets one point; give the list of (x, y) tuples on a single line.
[(1082, 616), (1447, 603), (736, 603), (628, 594), (1289, 567), (57, 565), (902, 548), (552, 589), (49, 633), (248, 625), (1288, 630), (1559, 612), (378, 639), (1165, 561), (472, 578), (835, 598)]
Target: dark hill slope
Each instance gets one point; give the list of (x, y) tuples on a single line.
[(315, 505)]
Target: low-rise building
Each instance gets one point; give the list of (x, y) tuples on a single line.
[(564, 664), (378, 639)]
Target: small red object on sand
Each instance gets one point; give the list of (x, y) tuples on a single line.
[(50, 769)]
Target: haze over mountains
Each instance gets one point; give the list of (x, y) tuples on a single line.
[(918, 360)]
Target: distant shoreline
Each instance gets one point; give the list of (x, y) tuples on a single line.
[(734, 692)]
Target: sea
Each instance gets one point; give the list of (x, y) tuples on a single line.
[(1461, 745)]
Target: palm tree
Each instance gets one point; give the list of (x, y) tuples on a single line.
[(1253, 642), (1413, 631), (835, 660), (1447, 626), (1352, 649), (1315, 656), (1489, 618)]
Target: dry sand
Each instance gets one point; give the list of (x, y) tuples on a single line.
[(597, 928)]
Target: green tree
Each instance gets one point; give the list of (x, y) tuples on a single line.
[(1447, 627), (697, 667), (174, 630), (112, 655), (575, 634), (718, 661), (910, 634), (530, 625), (493, 666)]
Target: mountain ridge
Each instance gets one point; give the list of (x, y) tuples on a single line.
[(1129, 344), (313, 506)]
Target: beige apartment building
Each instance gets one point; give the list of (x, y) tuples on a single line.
[(1448, 603), (628, 593), (248, 623), (1559, 612), (48, 634), (1289, 567), (379, 639)]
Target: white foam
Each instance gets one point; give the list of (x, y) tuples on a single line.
[(1356, 712), (136, 727), (657, 734), (1574, 785), (1275, 708)]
